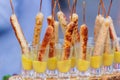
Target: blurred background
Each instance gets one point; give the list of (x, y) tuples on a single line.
[(26, 10)]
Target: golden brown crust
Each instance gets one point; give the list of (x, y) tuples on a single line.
[(19, 34), (113, 34), (37, 29), (98, 49), (83, 41), (56, 24), (51, 22), (98, 25), (107, 44), (45, 42), (76, 34), (63, 21), (68, 40)]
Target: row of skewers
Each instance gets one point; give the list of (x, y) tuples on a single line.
[(104, 31)]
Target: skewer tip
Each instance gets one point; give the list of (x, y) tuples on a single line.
[(12, 6), (40, 5), (84, 11)]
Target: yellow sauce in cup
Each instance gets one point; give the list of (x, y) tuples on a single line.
[(96, 61), (117, 57), (73, 62), (26, 63), (52, 63), (83, 65), (107, 59), (64, 65), (39, 66)]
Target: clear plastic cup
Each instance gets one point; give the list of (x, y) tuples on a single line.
[(73, 70), (52, 68), (52, 72), (95, 61), (108, 58), (40, 67), (63, 65), (117, 56), (96, 66), (27, 68), (82, 65)]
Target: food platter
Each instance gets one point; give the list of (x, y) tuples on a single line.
[(75, 58)]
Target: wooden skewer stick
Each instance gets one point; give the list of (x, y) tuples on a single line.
[(99, 8), (103, 7), (84, 10), (69, 5), (109, 8), (12, 7), (59, 6), (75, 3), (53, 10), (40, 5)]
